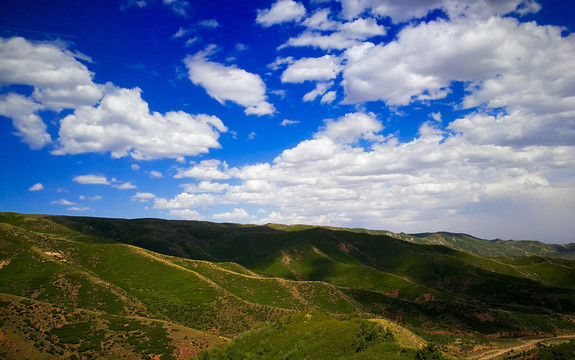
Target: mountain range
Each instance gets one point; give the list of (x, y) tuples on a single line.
[(81, 287)]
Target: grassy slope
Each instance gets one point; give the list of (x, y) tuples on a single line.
[(327, 255), (492, 248), (313, 335), (33, 329), (265, 273)]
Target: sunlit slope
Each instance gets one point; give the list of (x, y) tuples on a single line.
[(123, 279), (492, 248), (34, 329), (225, 279), (313, 335), (322, 254)]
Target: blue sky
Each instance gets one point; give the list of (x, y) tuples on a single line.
[(409, 116)]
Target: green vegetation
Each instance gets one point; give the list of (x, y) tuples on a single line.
[(313, 335), (88, 287)]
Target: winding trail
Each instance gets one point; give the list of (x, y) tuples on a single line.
[(528, 343)]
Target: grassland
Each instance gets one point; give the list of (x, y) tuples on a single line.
[(172, 289)]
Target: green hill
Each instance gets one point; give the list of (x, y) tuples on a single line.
[(184, 286), (493, 248)]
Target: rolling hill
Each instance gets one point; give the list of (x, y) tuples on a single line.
[(136, 288)]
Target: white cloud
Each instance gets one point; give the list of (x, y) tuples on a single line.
[(95, 197), (323, 68), (123, 125), (319, 90), (516, 129), (178, 6), (349, 175), (185, 200), (30, 127), (155, 174), (102, 180), (205, 170), (126, 4), (237, 213), (205, 187), (181, 33), (401, 11), (125, 186), (187, 214), (120, 122), (436, 116), (336, 40), (36, 187), (362, 29), (286, 122), (281, 11), (280, 62), (135, 167), (328, 34), (210, 24), (62, 202), (504, 62), (192, 41), (60, 81), (320, 21), (143, 197), (92, 179), (78, 208), (329, 97), (252, 135), (229, 83)]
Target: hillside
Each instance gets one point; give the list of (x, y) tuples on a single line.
[(192, 285), (493, 248)]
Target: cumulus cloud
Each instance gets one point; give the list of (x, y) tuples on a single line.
[(320, 89), (225, 83), (105, 118), (281, 11), (123, 125), (143, 197), (349, 174), (125, 186), (30, 127), (156, 174), (78, 208), (323, 68), (91, 179), (60, 81), (205, 170), (57, 78), (187, 214), (236, 214), (400, 11), (286, 122), (500, 58), (205, 187), (62, 202), (95, 197), (328, 97), (327, 34), (36, 187)]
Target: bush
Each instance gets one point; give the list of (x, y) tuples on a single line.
[(430, 352)]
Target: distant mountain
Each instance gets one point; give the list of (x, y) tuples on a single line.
[(85, 287), (493, 248)]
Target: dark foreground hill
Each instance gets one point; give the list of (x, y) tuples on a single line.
[(73, 287)]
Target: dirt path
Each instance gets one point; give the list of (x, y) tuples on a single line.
[(528, 343)]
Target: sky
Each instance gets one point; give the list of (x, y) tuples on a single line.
[(409, 116)]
